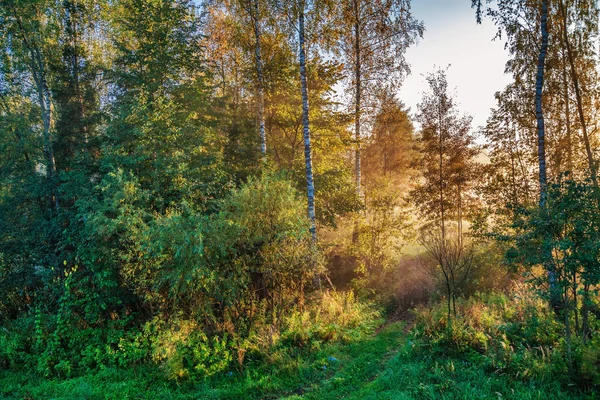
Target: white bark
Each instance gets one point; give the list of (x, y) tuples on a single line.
[(254, 13), (310, 186), (38, 71)]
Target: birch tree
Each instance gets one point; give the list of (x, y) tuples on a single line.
[(520, 22), (310, 184), (27, 25), (374, 37), (253, 10), (296, 11)]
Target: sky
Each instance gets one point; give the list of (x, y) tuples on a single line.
[(453, 37)]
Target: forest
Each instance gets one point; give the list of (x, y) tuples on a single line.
[(228, 200)]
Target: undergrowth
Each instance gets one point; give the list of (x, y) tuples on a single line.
[(337, 347), (180, 354), (516, 335)]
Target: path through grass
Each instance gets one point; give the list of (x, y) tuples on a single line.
[(385, 365)]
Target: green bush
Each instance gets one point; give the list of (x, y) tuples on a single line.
[(197, 290)]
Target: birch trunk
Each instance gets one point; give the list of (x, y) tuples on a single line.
[(539, 86), (357, 99), (259, 72), (310, 186), (38, 72)]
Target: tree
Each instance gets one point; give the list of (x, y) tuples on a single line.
[(453, 259), (448, 151), (75, 68), (586, 28), (509, 180), (568, 116), (567, 230), (374, 38), (389, 152), (539, 114), (446, 171), (296, 11), (255, 16), (30, 28), (509, 16), (159, 92), (310, 186)]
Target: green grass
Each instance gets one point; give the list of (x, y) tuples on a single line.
[(382, 365)]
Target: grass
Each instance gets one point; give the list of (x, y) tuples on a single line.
[(388, 364)]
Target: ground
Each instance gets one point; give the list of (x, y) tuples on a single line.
[(388, 364)]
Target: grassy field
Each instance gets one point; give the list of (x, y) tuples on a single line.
[(387, 364)]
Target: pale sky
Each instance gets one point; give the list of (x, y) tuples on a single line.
[(453, 37)]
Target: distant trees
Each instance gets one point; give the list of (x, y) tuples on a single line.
[(389, 151), (374, 37), (388, 155)]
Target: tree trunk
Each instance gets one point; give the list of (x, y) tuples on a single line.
[(567, 116), (71, 27), (357, 99), (539, 85), (524, 173), (39, 75), (543, 180), (38, 72), (44, 100), (567, 323), (254, 13), (585, 311), (357, 111), (513, 173), (574, 287), (441, 182), (460, 218), (310, 186)]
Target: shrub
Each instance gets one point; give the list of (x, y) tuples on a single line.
[(516, 334), (337, 316)]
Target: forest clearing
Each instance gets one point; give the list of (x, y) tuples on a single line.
[(264, 199)]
